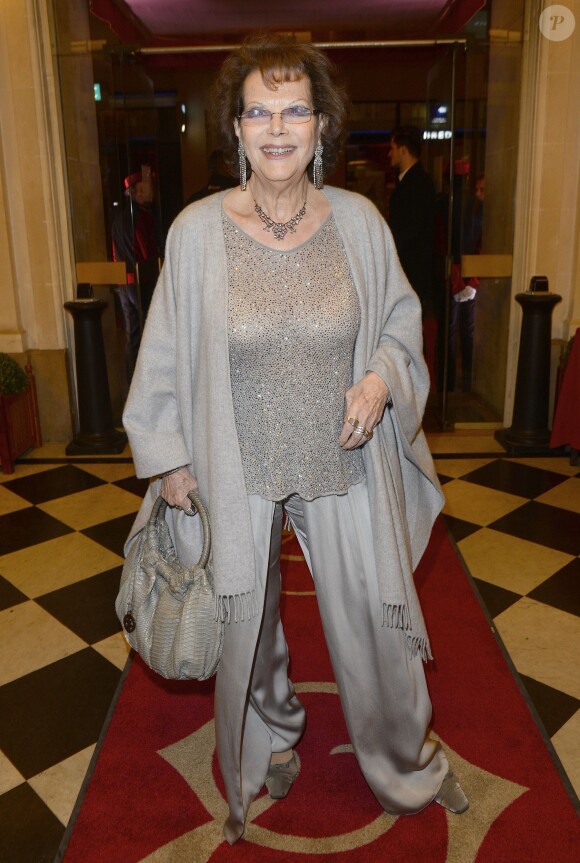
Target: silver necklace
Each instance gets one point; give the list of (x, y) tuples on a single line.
[(280, 229)]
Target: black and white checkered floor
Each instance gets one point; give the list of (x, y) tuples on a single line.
[(62, 527)]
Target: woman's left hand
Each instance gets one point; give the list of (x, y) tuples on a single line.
[(365, 403)]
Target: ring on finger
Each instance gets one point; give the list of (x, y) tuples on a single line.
[(360, 429), (353, 421)]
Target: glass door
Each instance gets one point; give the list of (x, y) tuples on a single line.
[(471, 137), (444, 163), (122, 129)]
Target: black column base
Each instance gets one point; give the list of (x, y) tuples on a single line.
[(110, 443), (516, 445)]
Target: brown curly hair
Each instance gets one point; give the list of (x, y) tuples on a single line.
[(279, 59)]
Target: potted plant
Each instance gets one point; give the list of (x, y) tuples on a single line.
[(19, 425)]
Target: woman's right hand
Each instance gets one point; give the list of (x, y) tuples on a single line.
[(176, 486)]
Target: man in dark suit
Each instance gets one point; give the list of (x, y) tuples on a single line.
[(219, 178), (412, 221), (412, 215)]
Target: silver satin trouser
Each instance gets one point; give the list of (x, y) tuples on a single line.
[(256, 709)]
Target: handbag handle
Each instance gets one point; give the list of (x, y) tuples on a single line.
[(203, 514), (159, 512)]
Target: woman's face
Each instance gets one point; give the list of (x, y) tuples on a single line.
[(279, 152)]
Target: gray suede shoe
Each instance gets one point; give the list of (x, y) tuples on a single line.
[(280, 777), (451, 795)]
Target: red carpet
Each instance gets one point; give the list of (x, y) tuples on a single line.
[(155, 793)]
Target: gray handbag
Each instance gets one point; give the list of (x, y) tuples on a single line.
[(168, 610)]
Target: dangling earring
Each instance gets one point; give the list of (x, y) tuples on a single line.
[(242, 158), (317, 173)]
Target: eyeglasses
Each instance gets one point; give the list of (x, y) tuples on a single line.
[(292, 114)]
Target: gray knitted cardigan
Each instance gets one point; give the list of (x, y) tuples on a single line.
[(179, 410)]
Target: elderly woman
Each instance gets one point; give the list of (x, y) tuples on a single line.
[(281, 371)]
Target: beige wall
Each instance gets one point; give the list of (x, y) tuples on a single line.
[(35, 254), (547, 228), (556, 174)]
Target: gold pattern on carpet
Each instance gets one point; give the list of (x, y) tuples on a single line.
[(192, 757)]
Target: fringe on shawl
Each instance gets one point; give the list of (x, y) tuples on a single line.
[(397, 617), (239, 606), (242, 606)]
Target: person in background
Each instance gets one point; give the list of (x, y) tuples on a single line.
[(281, 372), (134, 236), (219, 178), (412, 221)]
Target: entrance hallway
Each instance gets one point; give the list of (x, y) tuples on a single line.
[(62, 526)]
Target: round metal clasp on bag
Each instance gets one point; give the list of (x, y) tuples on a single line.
[(129, 622)]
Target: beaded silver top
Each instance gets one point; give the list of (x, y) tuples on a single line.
[(293, 317)]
